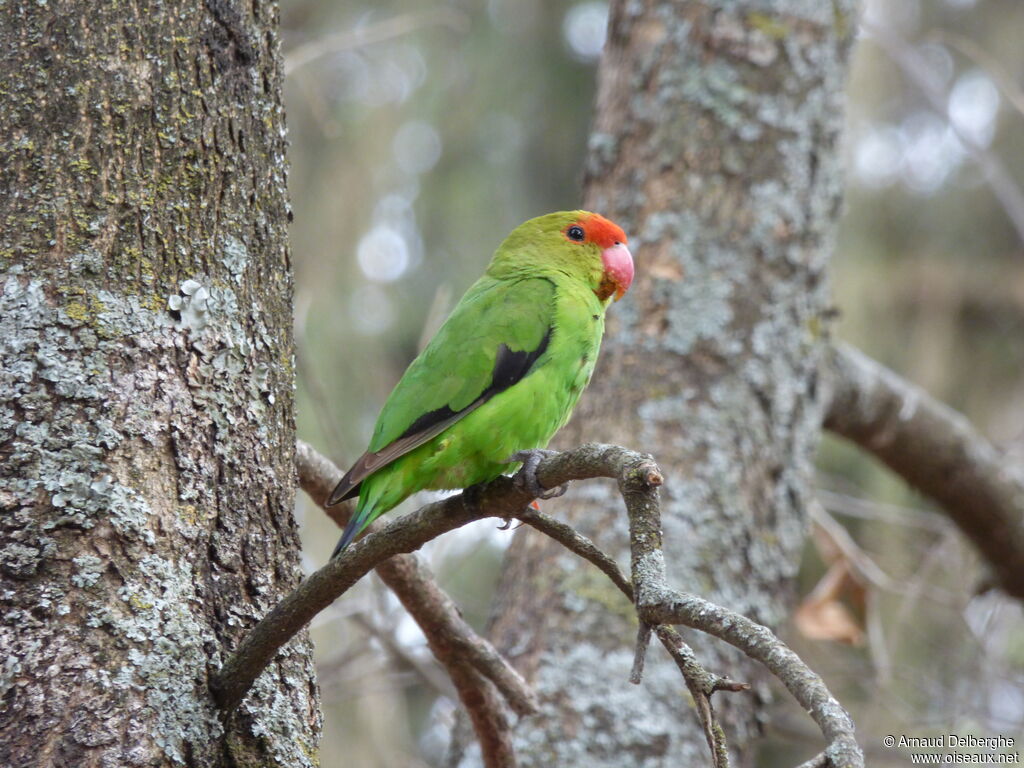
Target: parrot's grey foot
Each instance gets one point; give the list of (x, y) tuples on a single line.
[(526, 477)]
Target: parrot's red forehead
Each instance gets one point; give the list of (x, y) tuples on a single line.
[(601, 231)]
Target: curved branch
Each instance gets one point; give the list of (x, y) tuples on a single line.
[(478, 672), (701, 683), (498, 498), (639, 489), (656, 603), (638, 478), (938, 452), (452, 640), (323, 587)]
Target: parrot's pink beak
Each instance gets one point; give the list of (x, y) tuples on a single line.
[(618, 269)]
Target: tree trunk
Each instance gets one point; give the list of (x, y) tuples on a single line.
[(146, 423), (715, 146)]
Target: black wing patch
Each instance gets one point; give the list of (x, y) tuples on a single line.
[(509, 368)]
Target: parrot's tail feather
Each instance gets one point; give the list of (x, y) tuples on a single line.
[(362, 518)]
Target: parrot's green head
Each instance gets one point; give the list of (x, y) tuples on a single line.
[(581, 245)]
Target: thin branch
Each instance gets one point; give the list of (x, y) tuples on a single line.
[(692, 671), (863, 565), (431, 675), (938, 452), (450, 637), (707, 683), (818, 761), (985, 61), (499, 498), (916, 68), (643, 640), (638, 478), (638, 483), (701, 683), (576, 542), (657, 603), (381, 31), (851, 506)]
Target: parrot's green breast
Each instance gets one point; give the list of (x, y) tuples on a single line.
[(473, 449)]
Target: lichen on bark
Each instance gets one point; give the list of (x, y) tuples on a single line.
[(146, 416)]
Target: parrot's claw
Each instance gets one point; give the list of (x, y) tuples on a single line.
[(507, 525), (526, 477)]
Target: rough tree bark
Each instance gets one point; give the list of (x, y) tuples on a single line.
[(146, 425), (715, 146)]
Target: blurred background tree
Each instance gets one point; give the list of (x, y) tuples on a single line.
[(420, 137)]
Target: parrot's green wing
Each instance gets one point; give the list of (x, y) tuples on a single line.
[(491, 340)]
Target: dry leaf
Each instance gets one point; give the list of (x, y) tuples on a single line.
[(822, 616)]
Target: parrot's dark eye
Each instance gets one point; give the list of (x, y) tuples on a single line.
[(575, 232)]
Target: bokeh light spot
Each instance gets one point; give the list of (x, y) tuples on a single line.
[(931, 152), (584, 27), (417, 147), (383, 254), (878, 156), (973, 104)]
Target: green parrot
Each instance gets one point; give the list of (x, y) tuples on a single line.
[(502, 374)]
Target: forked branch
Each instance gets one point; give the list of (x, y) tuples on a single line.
[(657, 605)]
